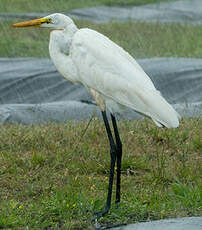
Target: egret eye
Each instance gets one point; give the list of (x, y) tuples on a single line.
[(48, 21)]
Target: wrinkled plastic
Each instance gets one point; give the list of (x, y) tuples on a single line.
[(32, 91), (187, 223)]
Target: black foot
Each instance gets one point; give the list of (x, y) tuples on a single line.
[(100, 214), (97, 216)]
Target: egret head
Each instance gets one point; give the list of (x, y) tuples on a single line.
[(55, 21)]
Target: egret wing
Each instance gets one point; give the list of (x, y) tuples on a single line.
[(93, 50), (108, 69)]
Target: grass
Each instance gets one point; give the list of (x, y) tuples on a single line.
[(61, 5), (142, 40), (51, 179)]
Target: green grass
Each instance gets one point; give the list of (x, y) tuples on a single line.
[(52, 179), (140, 39), (21, 6)]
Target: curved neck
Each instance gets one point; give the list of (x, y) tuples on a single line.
[(60, 40), (70, 30), (59, 47)]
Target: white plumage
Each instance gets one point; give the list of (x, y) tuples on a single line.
[(112, 76)]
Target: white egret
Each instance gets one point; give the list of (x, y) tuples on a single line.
[(111, 75)]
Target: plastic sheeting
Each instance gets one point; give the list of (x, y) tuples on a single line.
[(184, 11), (32, 91), (187, 223)]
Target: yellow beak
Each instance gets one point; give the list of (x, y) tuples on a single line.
[(36, 22)]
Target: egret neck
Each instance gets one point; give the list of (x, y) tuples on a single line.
[(59, 49)]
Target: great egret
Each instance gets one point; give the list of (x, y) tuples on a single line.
[(111, 75)]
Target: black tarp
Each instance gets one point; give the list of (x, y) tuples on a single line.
[(32, 91)]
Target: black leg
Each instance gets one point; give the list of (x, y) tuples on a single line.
[(119, 156), (113, 153)]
